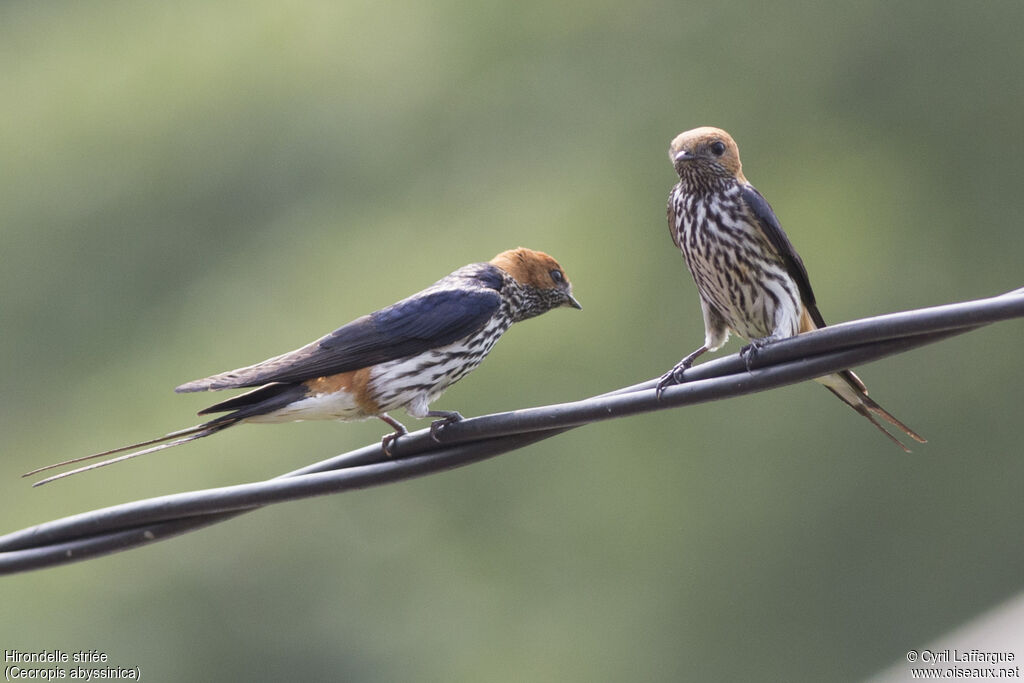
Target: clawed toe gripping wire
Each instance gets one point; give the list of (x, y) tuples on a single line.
[(461, 442)]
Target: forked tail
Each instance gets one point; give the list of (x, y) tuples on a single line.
[(166, 441), (848, 387), (259, 401)]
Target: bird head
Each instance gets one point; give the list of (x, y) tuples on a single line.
[(539, 275), (706, 153)]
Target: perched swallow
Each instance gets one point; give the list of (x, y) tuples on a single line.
[(750, 279), (403, 356)]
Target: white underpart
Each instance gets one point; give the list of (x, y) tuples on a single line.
[(771, 308), (341, 405)]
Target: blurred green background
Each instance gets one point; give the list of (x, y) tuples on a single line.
[(188, 187)]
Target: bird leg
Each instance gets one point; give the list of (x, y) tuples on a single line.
[(749, 352), (389, 439), (447, 417), (675, 375)]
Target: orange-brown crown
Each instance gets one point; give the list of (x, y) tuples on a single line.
[(529, 267), (707, 144)]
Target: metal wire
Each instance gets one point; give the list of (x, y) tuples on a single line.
[(120, 527)]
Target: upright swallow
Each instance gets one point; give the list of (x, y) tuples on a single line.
[(750, 279)]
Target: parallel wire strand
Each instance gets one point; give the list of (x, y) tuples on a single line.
[(120, 527)]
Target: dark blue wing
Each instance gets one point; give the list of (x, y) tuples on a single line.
[(406, 328), (769, 224), (424, 321)]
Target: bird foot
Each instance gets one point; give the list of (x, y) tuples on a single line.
[(749, 352), (675, 375), (387, 441), (672, 377), (447, 417), (390, 439)]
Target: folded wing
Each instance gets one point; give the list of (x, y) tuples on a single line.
[(411, 326)]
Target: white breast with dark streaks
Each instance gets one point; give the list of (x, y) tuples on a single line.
[(413, 383), (726, 255)]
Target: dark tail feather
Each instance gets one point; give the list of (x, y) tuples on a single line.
[(891, 419), (851, 391), (166, 441), (259, 401), (262, 399), (869, 413)]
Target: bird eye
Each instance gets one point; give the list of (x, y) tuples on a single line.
[(718, 148), (557, 277)]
